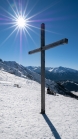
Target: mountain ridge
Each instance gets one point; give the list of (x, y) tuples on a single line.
[(25, 72), (57, 73)]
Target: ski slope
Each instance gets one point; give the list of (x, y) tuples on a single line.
[(20, 116)]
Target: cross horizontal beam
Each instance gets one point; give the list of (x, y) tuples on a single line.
[(60, 42)]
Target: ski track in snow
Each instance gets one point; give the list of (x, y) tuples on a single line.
[(20, 116)]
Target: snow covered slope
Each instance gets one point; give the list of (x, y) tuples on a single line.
[(21, 71), (18, 70), (32, 73), (20, 116), (55, 74)]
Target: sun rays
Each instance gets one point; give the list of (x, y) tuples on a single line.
[(18, 20)]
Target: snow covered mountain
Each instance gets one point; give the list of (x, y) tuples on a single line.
[(57, 74), (54, 70), (21, 71), (29, 73), (16, 69)]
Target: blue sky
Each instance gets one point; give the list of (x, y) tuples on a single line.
[(61, 21)]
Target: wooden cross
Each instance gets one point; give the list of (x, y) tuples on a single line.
[(42, 50)]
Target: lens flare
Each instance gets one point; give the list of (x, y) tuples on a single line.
[(21, 22)]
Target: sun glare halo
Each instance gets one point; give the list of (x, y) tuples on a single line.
[(21, 22)]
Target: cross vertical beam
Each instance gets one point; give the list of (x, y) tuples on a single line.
[(42, 69)]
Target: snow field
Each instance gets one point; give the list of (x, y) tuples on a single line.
[(20, 116)]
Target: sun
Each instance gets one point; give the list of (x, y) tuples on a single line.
[(21, 22)]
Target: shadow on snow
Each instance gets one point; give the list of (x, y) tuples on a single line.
[(51, 126)]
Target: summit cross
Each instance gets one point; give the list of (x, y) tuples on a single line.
[(42, 50)]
